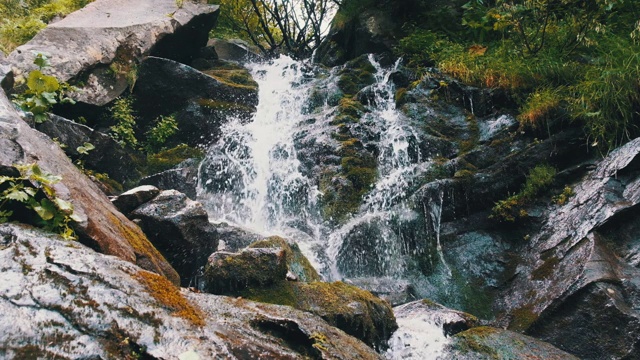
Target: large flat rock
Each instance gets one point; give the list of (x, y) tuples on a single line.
[(82, 45)]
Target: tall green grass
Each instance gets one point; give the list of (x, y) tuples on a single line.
[(22, 20)]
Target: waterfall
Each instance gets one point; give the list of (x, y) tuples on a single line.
[(260, 175)]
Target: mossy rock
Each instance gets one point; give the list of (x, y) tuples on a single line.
[(236, 77), (356, 75), (231, 273), (167, 159), (494, 344), (297, 263), (353, 310)]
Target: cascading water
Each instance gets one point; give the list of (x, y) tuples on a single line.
[(256, 178)]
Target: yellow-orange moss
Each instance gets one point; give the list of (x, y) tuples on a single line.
[(168, 295)]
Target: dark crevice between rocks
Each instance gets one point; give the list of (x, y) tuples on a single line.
[(185, 43), (452, 328), (291, 335)]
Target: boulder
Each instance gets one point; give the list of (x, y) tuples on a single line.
[(179, 227), (369, 31), (233, 50), (485, 343), (100, 45), (260, 274), (568, 270), (103, 227), (63, 300), (6, 74), (182, 177), (131, 199), (201, 102), (424, 328), (107, 157), (297, 264)]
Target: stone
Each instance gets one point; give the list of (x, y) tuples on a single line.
[(201, 103), (492, 343), (228, 273), (102, 226), (260, 273), (370, 31), (131, 199), (180, 229), (394, 291), (233, 50), (106, 157), (568, 268), (424, 329), (86, 45), (60, 299), (183, 178)]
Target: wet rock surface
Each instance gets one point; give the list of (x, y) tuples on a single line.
[(179, 228), (71, 302), (260, 272), (83, 45), (201, 102), (103, 227), (182, 177)]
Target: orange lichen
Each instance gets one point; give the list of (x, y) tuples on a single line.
[(169, 296)]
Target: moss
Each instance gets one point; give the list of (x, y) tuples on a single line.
[(224, 106), (349, 106), (169, 296), (239, 78), (400, 96), (167, 159), (523, 318), (546, 269), (473, 340), (357, 74)]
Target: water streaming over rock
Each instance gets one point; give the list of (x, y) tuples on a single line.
[(263, 175)]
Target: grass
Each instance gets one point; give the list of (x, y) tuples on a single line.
[(22, 20), (512, 208)]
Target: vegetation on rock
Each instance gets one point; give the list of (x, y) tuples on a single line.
[(21, 20), (512, 208), (554, 57), (31, 198)]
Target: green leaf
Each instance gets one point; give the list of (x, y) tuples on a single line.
[(75, 217), (17, 195), (40, 118), (63, 205), (46, 210), (50, 97), (41, 60), (40, 83)]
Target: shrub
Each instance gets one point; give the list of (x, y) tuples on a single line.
[(31, 198), (123, 131)]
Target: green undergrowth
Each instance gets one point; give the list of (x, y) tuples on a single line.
[(20, 20), (31, 198), (572, 60), (512, 208)]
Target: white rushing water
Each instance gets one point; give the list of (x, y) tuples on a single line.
[(253, 177)]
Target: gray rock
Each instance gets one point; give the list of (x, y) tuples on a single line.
[(236, 238), (107, 157), (83, 45), (395, 291), (179, 227), (228, 273), (486, 343), (71, 302), (183, 177), (102, 225), (567, 262), (201, 102), (131, 199), (233, 50)]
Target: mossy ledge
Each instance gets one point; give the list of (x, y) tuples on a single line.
[(168, 295)]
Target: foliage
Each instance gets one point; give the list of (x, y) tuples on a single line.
[(31, 198), (553, 57), (156, 137), (43, 91), (539, 178), (123, 132), (294, 27), (21, 20)]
